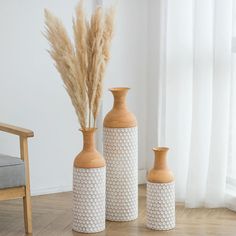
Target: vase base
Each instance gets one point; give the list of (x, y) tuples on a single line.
[(120, 152), (160, 229), (120, 219), (89, 200), (160, 206), (87, 231)]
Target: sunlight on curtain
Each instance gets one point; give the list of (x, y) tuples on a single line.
[(197, 79), (231, 173)]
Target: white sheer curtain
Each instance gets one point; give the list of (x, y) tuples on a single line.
[(196, 97), (231, 174)]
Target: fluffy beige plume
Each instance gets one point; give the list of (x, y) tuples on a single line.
[(107, 37), (108, 32), (96, 55), (80, 28), (82, 69), (66, 63)]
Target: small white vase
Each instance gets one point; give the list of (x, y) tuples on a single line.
[(160, 193)]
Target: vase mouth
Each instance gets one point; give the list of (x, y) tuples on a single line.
[(119, 89), (88, 130), (160, 149)]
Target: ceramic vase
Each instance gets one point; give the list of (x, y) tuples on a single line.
[(160, 193), (89, 175), (120, 152)]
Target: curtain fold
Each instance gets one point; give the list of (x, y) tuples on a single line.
[(201, 102), (218, 157), (197, 102)]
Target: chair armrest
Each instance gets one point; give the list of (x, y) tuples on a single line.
[(16, 130)]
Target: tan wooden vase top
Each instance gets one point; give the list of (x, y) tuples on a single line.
[(119, 116), (160, 173), (89, 157)]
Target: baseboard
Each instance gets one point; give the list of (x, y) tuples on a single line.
[(49, 190), (59, 189)]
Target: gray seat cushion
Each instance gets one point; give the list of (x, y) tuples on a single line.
[(12, 172)]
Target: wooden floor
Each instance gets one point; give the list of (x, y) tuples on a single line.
[(52, 217)]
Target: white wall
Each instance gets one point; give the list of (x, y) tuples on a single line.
[(31, 91)]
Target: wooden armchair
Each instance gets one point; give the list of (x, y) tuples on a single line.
[(14, 173)]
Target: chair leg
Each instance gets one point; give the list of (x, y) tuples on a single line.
[(27, 213), (27, 198)]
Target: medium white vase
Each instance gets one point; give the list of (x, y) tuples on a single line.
[(121, 154)]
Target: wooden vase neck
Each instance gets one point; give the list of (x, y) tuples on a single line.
[(160, 161), (119, 116), (89, 140), (89, 157), (160, 173), (119, 98)]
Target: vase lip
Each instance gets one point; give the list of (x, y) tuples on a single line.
[(160, 149), (119, 89), (87, 130)]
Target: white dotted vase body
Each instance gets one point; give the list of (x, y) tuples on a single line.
[(121, 155), (89, 199), (160, 206)]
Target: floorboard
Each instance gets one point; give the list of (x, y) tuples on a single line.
[(52, 217)]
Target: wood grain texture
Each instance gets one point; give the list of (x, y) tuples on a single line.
[(12, 193), (89, 157), (160, 173), (16, 130), (119, 116), (52, 217), (27, 197)]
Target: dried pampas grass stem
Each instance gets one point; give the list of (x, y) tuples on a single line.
[(82, 67)]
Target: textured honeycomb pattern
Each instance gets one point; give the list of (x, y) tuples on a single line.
[(120, 152), (89, 199), (160, 206)]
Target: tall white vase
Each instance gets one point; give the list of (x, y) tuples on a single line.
[(121, 154), (89, 179)]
